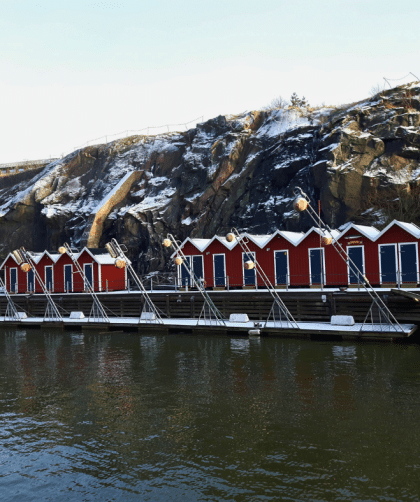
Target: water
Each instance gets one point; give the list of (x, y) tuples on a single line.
[(121, 417)]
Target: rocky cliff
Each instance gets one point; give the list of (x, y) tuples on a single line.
[(361, 160)]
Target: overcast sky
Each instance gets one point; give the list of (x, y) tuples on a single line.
[(73, 71)]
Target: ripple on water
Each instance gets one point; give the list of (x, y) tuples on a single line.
[(87, 417)]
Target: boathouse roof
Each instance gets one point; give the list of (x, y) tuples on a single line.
[(296, 238)]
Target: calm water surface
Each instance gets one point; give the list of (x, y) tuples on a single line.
[(128, 417)]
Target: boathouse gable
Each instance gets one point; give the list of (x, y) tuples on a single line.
[(359, 242), (63, 282), (45, 266), (12, 272), (306, 260), (100, 270), (398, 254)]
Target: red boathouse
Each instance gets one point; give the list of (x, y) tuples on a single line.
[(386, 258), (60, 275)]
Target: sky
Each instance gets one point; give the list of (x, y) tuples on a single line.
[(72, 72)]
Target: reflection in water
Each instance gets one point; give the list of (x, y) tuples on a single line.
[(118, 417)]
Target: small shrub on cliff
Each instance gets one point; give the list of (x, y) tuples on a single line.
[(375, 89), (277, 104), (298, 102)]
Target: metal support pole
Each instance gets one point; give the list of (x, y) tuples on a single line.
[(52, 311), (118, 251), (97, 312)]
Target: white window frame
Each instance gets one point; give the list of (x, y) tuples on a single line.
[(243, 268), (396, 260), (85, 278), (64, 277), (52, 277), (10, 279), (363, 260), (214, 269), (323, 271), (399, 270), (275, 266)]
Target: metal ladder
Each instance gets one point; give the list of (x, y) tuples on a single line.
[(51, 312), (11, 313), (118, 251), (97, 312), (278, 303), (209, 312), (377, 302)]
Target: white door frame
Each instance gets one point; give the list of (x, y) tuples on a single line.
[(52, 277), (253, 254), (85, 278), (202, 265), (323, 272), (27, 281), (363, 260), (399, 259), (224, 267), (275, 266), (10, 279), (396, 261), (64, 276)]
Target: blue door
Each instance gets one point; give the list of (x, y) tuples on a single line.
[(219, 270), (31, 281), (317, 265), (198, 269), (68, 278), (282, 271), (13, 280), (249, 275), (185, 274), (88, 274), (49, 278), (356, 256), (408, 262), (388, 263)]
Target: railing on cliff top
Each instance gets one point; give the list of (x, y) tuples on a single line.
[(24, 163), (108, 138)]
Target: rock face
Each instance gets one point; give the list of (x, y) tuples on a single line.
[(362, 161)]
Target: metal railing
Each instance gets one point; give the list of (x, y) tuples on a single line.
[(27, 163), (108, 138), (173, 282)]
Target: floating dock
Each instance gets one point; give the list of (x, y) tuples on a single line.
[(191, 326), (312, 310)]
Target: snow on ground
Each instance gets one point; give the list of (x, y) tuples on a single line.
[(282, 121), (148, 203)]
